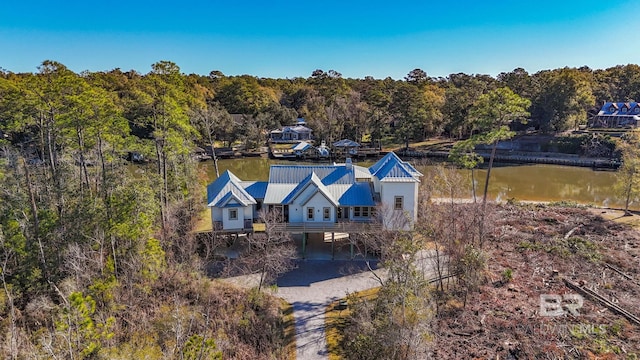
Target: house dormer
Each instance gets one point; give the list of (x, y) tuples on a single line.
[(623, 108)]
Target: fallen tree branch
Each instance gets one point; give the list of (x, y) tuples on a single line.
[(602, 300), (622, 273)]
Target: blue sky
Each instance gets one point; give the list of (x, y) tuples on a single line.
[(286, 39)]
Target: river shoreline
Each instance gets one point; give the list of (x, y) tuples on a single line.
[(519, 157), (509, 157)]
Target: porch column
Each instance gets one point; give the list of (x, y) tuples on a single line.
[(333, 253), (304, 245), (351, 245)]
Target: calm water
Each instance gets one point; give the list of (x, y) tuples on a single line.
[(521, 182)]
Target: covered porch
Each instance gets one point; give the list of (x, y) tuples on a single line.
[(331, 246)]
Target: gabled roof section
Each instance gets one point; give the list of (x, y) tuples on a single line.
[(411, 169), (619, 109), (228, 186), (294, 174), (257, 189), (311, 180), (392, 168), (230, 199)]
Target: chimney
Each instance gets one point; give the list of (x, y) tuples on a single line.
[(349, 166)]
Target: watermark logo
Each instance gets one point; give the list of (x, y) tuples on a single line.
[(559, 305)]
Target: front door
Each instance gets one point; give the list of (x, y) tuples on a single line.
[(343, 213)]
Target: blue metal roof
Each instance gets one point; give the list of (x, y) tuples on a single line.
[(225, 200), (392, 168), (257, 189), (311, 180), (297, 189), (222, 186), (301, 146), (293, 174), (346, 143), (375, 167), (341, 175), (411, 169), (358, 194), (613, 108)]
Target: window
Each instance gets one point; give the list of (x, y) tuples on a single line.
[(356, 211), (233, 214), (637, 109), (398, 203), (623, 110), (365, 211), (310, 213), (326, 214)]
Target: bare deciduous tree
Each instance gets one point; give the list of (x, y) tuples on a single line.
[(270, 253)]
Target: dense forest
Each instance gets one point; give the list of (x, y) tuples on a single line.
[(413, 109), (96, 257)]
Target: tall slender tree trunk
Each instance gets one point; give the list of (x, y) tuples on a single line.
[(84, 172), (484, 196), (473, 184), (13, 351), (106, 195), (36, 220), (161, 193), (213, 155)]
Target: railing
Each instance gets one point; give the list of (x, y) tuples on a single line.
[(247, 227), (341, 227)]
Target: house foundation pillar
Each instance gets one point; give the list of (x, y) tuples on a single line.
[(351, 246), (333, 252), (304, 245)]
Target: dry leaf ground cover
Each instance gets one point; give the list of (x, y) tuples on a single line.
[(532, 247)]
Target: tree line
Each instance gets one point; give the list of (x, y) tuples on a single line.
[(418, 106), (411, 109)]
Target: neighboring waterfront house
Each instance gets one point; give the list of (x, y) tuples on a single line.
[(320, 198), (297, 132), (617, 115)]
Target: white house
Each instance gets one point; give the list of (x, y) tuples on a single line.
[(320, 198), (294, 133)]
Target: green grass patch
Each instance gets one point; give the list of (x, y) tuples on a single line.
[(282, 146), (573, 246), (203, 223), (289, 330), (336, 320)]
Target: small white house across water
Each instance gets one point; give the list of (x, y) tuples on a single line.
[(338, 198)]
